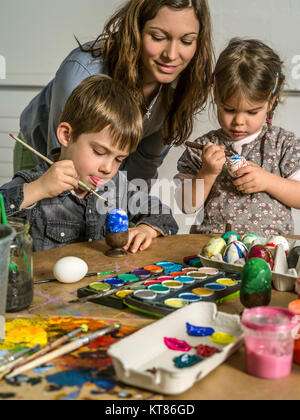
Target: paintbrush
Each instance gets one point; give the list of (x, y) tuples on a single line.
[(103, 273), (7, 360), (68, 348), (104, 294), (198, 146), (51, 346), (84, 186)]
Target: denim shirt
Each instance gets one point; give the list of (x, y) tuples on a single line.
[(66, 219)]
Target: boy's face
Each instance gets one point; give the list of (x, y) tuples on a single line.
[(95, 158)]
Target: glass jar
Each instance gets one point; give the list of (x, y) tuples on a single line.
[(20, 279)]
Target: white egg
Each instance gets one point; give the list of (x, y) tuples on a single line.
[(70, 269)]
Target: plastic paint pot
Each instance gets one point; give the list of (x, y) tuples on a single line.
[(269, 341), (295, 308), (210, 271)]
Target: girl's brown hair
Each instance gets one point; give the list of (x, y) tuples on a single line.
[(120, 44), (98, 102), (251, 68)]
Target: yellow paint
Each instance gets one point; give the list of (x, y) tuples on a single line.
[(176, 303), (222, 338), (123, 293), (202, 292), (25, 331), (227, 282)]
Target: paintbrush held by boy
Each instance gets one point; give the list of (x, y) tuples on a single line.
[(99, 127)]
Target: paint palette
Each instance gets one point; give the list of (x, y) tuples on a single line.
[(163, 287), (144, 360)]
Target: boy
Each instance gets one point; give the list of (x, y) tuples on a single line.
[(99, 127)]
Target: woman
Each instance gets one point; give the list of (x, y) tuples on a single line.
[(162, 51)]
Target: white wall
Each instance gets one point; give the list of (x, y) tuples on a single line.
[(36, 35)]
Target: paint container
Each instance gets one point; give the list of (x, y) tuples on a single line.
[(185, 279), (295, 308), (197, 275), (172, 284), (20, 279), (190, 297), (269, 341), (154, 269), (145, 294), (128, 278), (141, 273), (7, 234), (215, 286), (100, 286), (176, 303), (160, 289), (203, 292), (227, 282), (210, 271)]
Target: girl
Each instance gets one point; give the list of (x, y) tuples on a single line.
[(162, 51), (247, 83)]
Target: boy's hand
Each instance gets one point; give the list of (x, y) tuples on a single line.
[(213, 158), (60, 177), (140, 238), (252, 179)]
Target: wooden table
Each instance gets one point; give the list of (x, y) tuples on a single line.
[(228, 381)]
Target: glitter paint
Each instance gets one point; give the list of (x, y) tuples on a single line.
[(177, 345), (222, 338), (197, 275), (154, 268), (206, 351), (195, 331), (117, 221), (114, 282), (143, 274), (185, 279), (186, 360)]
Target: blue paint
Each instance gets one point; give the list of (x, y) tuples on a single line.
[(190, 297), (215, 286), (80, 377), (186, 360), (195, 331), (117, 221), (114, 281), (42, 369)]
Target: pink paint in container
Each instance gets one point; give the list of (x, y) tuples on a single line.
[(269, 341)]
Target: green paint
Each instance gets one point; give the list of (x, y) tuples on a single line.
[(99, 286), (227, 235), (256, 277), (128, 277)]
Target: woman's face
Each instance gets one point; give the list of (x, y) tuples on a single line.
[(169, 43)]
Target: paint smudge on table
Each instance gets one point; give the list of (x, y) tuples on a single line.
[(86, 372)]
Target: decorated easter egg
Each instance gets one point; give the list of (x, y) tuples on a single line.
[(70, 269), (234, 163), (276, 240), (214, 246), (256, 286), (235, 251), (249, 238), (260, 251), (117, 221), (227, 235)]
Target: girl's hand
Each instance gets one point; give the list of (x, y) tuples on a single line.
[(140, 238), (252, 179), (60, 177), (213, 159)]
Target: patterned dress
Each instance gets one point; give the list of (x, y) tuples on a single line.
[(275, 150)]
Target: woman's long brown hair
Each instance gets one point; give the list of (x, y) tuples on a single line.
[(120, 44)]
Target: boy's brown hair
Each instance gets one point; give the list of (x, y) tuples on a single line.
[(100, 101)]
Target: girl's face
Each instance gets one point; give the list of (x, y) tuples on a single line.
[(169, 43), (239, 118)]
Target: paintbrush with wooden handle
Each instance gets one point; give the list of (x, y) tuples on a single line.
[(198, 146), (84, 186)]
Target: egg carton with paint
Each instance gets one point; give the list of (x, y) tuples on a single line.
[(230, 252)]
